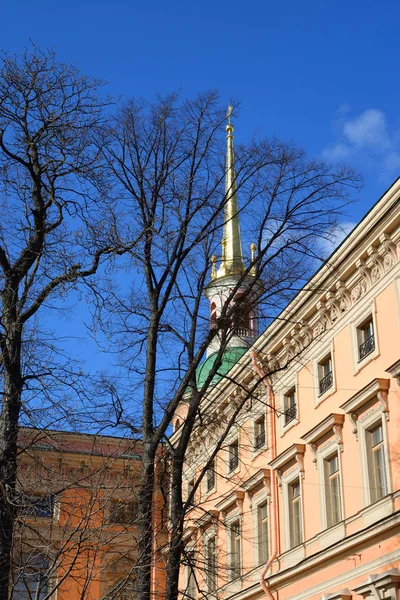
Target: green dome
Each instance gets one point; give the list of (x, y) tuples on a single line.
[(229, 358)]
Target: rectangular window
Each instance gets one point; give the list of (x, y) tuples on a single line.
[(332, 490), (325, 374), (210, 477), (235, 550), (365, 338), (259, 433), (262, 526), (376, 462), (123, 513), (37, 506), (190, 591), (211, 566), (295, 514), (289, 406), (233, 455), (190, 486)]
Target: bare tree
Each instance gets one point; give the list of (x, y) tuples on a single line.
[(168, 161), (76, 515), (58, 227)]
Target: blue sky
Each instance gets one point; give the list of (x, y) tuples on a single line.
[(320, 73)]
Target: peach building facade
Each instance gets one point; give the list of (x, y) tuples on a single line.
[(76, 534), (303, 500)]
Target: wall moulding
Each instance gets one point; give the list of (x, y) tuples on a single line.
[(332, 424), (377, 389)]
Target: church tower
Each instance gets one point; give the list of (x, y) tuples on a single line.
[(231, 270)]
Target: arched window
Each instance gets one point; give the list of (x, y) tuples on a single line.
[(31, 578), (213, 315), (241, 315)]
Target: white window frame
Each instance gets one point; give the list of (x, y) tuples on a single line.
[(256, 418), (188, 573), (261, 502), (231, 438), (323, 352), (368, 310), (292, 384), (210, 533), (323, 455), (208, 492), (234, 517), (364, 426), (287, 481)]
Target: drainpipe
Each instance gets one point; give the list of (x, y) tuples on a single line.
[(271, 424)]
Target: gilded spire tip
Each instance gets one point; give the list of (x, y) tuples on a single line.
[(229, 126)]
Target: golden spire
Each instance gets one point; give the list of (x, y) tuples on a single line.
[(232, 255)]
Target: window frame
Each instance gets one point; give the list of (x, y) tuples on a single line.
[(288, 406), (368, 311), (291, 383), (324, 352), (367, 426), (126, 506), (233, 452), (210, 475), (332, 449), (288, 482), (263, 550), (259, 419), (211, 579), (235, 572)]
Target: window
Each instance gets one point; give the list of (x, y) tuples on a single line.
[(210, 477), (289, 406), (122, 513), (211, 565), (37, 506), (365, 338), (332, 490), (259, 433), (31, 580), (325, 374), (262, 527), (295, 513), (376, 462), (241, 316), (235, 550), (124, 589), (190, 591), (213, 315), (190, 486), (233, 460)]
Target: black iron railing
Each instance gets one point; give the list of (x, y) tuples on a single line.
[(325, 383), (233, 462), (290, 413), (366, 347), (260, 440)]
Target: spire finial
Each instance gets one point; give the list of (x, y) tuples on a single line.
[(232, 258)]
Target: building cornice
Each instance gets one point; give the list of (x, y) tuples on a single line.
[(294, 452)]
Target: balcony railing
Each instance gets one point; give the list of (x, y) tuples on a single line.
[(290, 414), (259, 442), (233, 462), (366, 347), (243, 332), (325, 383)]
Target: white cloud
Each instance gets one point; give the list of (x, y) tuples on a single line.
[(368, 129), (392, 162), (365, 139)]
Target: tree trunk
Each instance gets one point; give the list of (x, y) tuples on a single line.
[(13, 383), (146, 492), (175, 541)]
